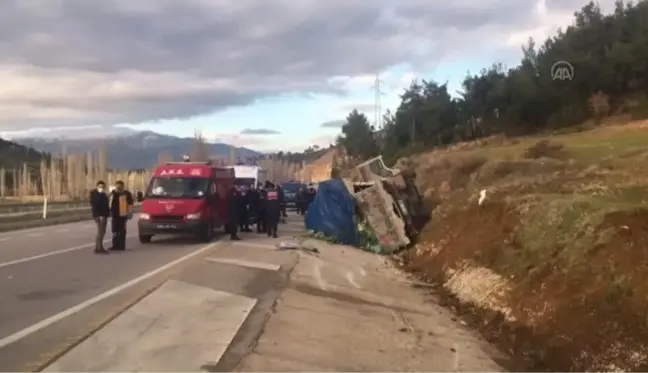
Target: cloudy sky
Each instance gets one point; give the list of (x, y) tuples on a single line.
[(267, 74)]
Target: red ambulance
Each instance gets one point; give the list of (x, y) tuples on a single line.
[(186, 198)]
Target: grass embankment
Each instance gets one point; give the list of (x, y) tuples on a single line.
[(554, 264)]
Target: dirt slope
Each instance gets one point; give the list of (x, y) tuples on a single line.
[(553, 265), (318, 170)]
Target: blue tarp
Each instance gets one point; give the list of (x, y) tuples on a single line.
[(331, 213)]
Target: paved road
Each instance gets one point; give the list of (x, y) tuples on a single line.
[(54, 290)]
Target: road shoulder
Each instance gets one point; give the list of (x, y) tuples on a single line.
[(203, 317), (347, 310), (249, 306)]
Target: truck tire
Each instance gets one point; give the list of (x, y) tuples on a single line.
[(208, 233), (145, 238)]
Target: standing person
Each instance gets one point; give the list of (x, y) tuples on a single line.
[(254, 199), (310, 196), (261, 227), (282, 203), (301, 201), (272, 209), (121, 208), (244, 210), (100, 205), (233, 216)]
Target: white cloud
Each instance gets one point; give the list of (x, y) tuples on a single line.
[(80, 62), (547, 20)]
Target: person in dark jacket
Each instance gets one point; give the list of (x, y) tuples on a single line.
[(100, 207), (121, 211), (261, 227), (254, 201), (243, 213), (233, 216), (301, 201), (282, 203), (272, 209)]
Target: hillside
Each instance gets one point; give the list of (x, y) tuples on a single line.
[(13, 155), (318, 169), (133, 150), (552, 265)]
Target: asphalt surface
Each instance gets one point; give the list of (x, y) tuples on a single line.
[(55, 291)]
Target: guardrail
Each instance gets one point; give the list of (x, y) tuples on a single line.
[(35, 218), (7, 208), (46, 210)]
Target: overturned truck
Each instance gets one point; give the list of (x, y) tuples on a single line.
[(389, 202)]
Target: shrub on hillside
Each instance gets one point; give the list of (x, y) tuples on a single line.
[(544, 149)]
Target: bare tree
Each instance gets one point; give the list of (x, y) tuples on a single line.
[(3, 183), (199, 152), (102, 160), (232, 155)]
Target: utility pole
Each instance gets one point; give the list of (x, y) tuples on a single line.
[(377, 109)]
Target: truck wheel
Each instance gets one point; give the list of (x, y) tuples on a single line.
[(145, 238), (208, 233)]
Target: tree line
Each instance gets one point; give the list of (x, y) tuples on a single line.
[(595, 68)]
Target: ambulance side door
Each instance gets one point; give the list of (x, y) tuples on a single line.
[(221, 212), (216, 200)]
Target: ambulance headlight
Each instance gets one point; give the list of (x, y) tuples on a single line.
[(195, 216), (143, 216)]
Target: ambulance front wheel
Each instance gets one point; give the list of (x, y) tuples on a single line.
[(145, 238), (207, 233)]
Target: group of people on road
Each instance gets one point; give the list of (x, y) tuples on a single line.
[(263, 205), (116, 204)]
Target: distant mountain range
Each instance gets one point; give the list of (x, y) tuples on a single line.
[(128, 149)]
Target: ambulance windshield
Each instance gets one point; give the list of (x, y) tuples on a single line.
[(174, 187)]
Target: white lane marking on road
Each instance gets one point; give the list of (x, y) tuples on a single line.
[(81, 306), (61, 230), (245, 263), (363, 272), (35, 257), (352, 281), (2, 239), (36, 234), (51, 253)]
